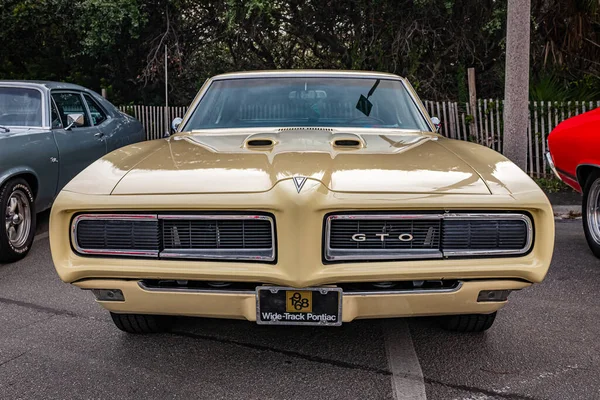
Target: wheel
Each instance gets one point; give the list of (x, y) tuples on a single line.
[(141, 323), (18, 228), (468, 323), (591, 212)]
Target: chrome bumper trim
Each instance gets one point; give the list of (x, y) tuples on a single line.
[(147, 288), (456, 288), (407, 291)]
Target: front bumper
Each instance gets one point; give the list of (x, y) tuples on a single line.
[(299, 224), (355, 306)]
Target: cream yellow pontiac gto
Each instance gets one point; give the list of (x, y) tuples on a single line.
[(303, 198)]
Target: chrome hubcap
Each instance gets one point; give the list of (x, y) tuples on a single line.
[(593, 211), (17, 221)]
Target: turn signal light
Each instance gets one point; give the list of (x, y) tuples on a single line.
[(108, 294), (493, 295)]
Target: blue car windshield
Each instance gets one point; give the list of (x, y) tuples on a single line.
[(310, 102), (20, 107)]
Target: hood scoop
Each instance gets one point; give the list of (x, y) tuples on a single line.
[(338, 141), (261, 142), (347, 141)]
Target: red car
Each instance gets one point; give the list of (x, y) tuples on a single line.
[(575, 158)]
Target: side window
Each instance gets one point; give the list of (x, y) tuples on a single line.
[(56, 120), (97, 113), (70, 103)]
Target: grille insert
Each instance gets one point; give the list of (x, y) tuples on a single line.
[(371, 237), (233, 237), (195, 236), (134, 235)]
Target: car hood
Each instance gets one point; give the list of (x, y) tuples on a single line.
[(390, 162)]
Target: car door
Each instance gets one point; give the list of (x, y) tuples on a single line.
[(118, 129), (78, 146)]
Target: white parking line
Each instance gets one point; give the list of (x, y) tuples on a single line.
[(407, 376)]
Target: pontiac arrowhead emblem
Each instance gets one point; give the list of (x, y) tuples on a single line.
[(299, 182)]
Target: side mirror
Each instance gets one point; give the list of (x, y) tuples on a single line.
[(437, 123), (75, 120), (175, 124)]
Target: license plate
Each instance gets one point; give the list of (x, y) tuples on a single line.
[(290, 306)]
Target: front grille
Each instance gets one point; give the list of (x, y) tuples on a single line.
[(118, 234), (425, 234), (123, 234), (371, 237), (469, 235), (194, 236), (217, 234)]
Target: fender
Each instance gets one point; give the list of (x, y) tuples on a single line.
[(579, 172), (6, 175)]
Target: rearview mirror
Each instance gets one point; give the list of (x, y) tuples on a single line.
[(307, 94), (175, 124), (77, 120), (437, 123)]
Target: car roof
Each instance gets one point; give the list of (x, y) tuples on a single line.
[(43, 84), (301, 73)]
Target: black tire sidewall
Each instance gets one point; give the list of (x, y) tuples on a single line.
[(8, 252), (595, 247)]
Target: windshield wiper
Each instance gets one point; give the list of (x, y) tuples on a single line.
[(6, 130)]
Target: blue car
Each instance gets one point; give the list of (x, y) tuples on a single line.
[(49, 132)]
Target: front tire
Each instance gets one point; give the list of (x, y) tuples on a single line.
[(141, 323), (468, 323), (591, 212), (17, 230)]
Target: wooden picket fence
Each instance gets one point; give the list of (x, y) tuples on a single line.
[(153, 118), (483, 125)]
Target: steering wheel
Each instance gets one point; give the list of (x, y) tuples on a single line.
[(367, 117)]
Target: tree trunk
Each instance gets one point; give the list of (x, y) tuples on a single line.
[(516, 92)]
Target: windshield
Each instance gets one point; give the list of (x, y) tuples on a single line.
[(20, 107), (295, 101)]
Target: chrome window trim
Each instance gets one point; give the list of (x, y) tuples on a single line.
[(112, 217), (427, 254), (416, 101), (44, 105)]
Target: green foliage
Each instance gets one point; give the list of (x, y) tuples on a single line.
[(552, 185), (107, 21), (119, 44)]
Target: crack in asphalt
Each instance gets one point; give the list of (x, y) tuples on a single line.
[(487, 392), (290, 353), (37, 307), (14, 358)]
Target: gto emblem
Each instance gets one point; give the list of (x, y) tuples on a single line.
[(361, 237)]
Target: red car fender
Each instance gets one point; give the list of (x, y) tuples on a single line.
[(575, 144)]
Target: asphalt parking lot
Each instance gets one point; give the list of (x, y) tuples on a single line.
[(55, 343)]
